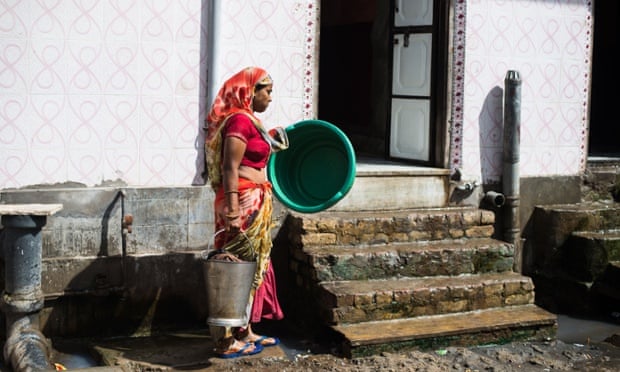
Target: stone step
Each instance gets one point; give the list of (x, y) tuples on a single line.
[(560, 220), (554, 224), (586, 254), (380, 227), (605, 174), (415, 259), (361, 301), (602, 161), (497, 325)]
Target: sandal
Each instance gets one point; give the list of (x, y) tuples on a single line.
[(244, 351), (264, 341)]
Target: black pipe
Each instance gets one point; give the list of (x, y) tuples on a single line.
[(25, 348), (512, 127)]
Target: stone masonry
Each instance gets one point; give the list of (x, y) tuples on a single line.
[(362, 273)]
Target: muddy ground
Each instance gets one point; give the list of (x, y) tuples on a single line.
[(580, 345), (517, 356)]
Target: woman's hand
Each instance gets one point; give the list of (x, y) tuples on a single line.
[(233, 222)]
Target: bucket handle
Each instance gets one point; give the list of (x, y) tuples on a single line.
[(206, 253)]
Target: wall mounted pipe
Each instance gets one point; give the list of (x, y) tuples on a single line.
[(25, 348), (497, 199), (511, 155)]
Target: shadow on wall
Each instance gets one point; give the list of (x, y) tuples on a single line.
[(98, 281), (465, 189), (491, 129), (157, 293)]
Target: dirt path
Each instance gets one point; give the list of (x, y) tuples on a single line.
[(518, 356)]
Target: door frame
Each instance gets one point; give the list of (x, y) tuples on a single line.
[(440, 78)]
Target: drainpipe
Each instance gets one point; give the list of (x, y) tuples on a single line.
[(510, 184), (26, 348)]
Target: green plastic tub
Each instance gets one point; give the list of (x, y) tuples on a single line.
[(316, 171)]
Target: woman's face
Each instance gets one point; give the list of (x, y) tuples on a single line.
[(262, 98)]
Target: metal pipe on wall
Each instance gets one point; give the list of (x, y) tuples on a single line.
[(511, 155), (26, 348)]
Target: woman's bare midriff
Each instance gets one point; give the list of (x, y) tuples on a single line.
[(253, 174)]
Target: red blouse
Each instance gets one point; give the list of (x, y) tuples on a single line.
[(257, 149)]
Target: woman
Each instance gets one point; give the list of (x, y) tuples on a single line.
[(237, 149)]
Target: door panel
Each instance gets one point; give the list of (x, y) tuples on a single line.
[(413, 13), (412, 65), (412, 61), (410, 133)]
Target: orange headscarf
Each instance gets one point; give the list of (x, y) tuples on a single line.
[(235, 97)]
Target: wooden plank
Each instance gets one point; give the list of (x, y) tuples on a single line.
[(445, 325)]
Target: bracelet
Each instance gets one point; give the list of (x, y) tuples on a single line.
[(231, 192), (232, 216)]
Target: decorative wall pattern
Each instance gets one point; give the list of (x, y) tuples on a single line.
[(548, 42), (458, 75), (278, 35), (92, 91)]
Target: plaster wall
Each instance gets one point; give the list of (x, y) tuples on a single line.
[(117, 90), (100, 277), (549, 44)]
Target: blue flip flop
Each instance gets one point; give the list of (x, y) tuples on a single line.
[(259, 341), (242, 352)]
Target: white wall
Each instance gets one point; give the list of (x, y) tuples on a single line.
[(549, 43), (277, 35), (104, 90), (107, 89)]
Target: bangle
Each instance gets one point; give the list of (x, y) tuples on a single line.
[(231, 192), (232, 216)]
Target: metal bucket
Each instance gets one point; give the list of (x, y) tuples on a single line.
[(228, 291)]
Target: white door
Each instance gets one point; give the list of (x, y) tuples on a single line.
[(410, 124)]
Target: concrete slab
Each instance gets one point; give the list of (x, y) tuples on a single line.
[(172, 351), (33, 209)]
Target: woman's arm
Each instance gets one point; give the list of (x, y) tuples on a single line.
[(234, 148)]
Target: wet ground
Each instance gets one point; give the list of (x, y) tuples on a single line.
[(581, 345)]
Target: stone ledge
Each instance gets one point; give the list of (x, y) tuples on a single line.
[(477, 327), (358, 301), (29, 209)]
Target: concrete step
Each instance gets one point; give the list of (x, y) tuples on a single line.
[(418, 187), (361, 301), (560, 220), (497, 325), (586, 254), (607, 286), (415, 259), (554, 224), (381, 227), (597, 162)]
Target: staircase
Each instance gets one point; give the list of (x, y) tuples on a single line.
[(576, 248), (397, 273)]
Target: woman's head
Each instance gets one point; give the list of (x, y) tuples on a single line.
[(238, 92), (262, 97)]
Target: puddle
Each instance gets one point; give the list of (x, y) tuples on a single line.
[(578, 331), (73, 355)]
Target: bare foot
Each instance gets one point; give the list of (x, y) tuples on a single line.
[(264, 341)]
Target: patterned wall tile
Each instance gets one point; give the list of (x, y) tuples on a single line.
[(548, 43), (101, 90)]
